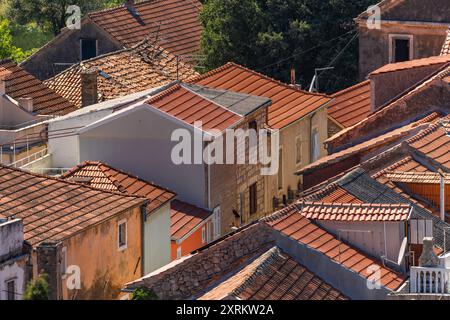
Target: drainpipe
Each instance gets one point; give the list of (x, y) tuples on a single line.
[(442, 194)]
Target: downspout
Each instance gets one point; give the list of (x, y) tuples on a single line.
[(442, 194), (143, 220)]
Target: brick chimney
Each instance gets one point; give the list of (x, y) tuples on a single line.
[(26, 103), (89, 95)]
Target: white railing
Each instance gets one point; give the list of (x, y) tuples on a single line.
[(49, 171), (32, 157), (429, 280)]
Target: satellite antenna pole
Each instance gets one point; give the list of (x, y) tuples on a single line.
[(314, 87)]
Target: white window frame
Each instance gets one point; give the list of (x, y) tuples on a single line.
[(179, 252), (216, 218), (119, 224), (81, 48), (280, 169), (298, 152), (63, 261), (312, 149), (13, 280), (204, 238), (393, 37)]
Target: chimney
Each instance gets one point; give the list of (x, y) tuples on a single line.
[(293, 76), (89, 95), (428, 258), (26, 103), (2, 86)]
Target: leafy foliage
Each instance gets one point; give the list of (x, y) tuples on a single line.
[(273, 36), (7, 49), (37, 289), (144, 294), (51, 15)]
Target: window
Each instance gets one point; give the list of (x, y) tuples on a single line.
[(241, 206), (280, 169), (204, 234), (88, 48), (122, 235), (11, 290), (179, 252), (252, 125), (63, 260), (252, 198), (217, 223), (400, 48), (298, 150), (315, 151)]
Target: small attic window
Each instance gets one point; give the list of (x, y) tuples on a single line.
[(88, 48)]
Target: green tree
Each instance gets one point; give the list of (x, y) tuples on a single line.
[(37, 289), (144, 294), (273, 36), (7, 49), (51, 15)]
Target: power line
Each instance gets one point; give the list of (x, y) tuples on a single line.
[(306, 51)]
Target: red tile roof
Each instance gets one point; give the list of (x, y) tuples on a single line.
[(446, 47), (128, 71), (19, 83), (293, 224), (174, 24), (357, 212), (443, 59), (289, 104), (190, 107), (104, 177), (372, 144), (185, 217), (351, 105), (54, 209), (274, 276), (416, 177)]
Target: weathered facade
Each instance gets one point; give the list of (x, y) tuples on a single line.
[(410, 29)]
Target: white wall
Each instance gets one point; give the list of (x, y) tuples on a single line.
[(11, 237), (139, 142), (157, 239), (376, 243), (8, 272), (65, 150)]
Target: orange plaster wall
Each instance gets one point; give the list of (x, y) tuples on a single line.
[(191, 243), (105, 269)]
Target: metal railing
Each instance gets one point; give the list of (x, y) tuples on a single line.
[(429, 280), (49, 171), (28, 159)]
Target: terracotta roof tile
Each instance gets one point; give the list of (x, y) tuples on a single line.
[(19, 83), (351, 105), (333, 248), (289, 104), (54, 209), (123, 72), (446, 46), (102, 176), (190, 107), (274, 276), (185, 217), (354, 211), (416, 177), (174, 24), (412, 64)]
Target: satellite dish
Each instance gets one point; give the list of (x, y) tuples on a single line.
[(401, 254)]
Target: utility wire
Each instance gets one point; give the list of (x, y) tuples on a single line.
[(306, 51)]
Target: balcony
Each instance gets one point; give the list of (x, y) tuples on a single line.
[(429, 280)]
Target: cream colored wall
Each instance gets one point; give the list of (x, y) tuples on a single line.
[(157, 239), (288, 137)]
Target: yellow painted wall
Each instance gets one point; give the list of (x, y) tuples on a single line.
[(104, 268)]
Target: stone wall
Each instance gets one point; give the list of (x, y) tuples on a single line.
[(374, 44), (190, 276), (65, 48), (48, 262)]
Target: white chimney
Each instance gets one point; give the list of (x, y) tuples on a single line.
[(26, 103)]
